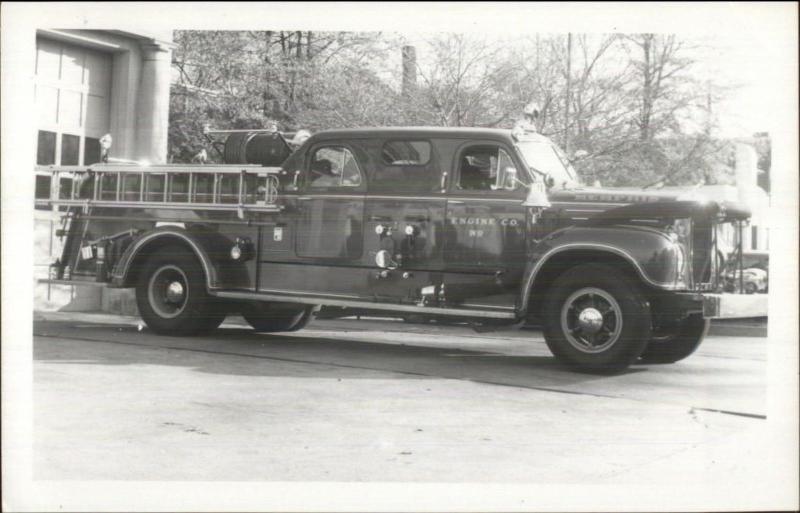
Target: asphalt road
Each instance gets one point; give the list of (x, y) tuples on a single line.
[(381, 400)]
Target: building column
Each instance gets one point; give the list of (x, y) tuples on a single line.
[(152, 112)]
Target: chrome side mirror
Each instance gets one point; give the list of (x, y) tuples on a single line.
[(383, 259), (506, 179)]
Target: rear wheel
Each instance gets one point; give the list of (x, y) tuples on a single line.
[(596, 319), (277, 317), (171, 294), (678, 345)]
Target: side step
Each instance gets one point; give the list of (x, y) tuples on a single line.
[(429, 310)]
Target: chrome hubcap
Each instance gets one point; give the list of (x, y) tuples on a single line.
[(591, 320), (166, 291), (175, 292)]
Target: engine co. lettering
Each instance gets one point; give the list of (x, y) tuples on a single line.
[(484, 221)]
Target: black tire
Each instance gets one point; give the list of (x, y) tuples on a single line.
[(277, 317), (596, 319), (171, 294), (679, 345)]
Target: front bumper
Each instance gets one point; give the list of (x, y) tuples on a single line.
[(731, 306)]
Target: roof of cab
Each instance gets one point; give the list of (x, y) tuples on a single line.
[(421, 131)]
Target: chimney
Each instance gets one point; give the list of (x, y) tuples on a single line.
[(409, 70)]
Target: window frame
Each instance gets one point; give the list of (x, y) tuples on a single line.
[(523, 175), (407, 140), (307, 182)]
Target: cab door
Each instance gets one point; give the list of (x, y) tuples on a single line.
[(326, 214), (331, 207), (485, 248)]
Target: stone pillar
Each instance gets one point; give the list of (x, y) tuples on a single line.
[(151, 119), (152, 112)]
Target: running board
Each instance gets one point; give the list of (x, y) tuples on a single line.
[(429, 310), (74, 283)]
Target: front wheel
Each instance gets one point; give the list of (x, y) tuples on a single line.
[(171, 295), (596, 319), (679, 344)]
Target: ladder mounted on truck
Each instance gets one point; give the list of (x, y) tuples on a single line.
[(240, 188)]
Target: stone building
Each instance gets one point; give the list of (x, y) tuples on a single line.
[(89, 83)]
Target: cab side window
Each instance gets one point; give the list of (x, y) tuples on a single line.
[(485, 168), (405, 166), (333, 166)]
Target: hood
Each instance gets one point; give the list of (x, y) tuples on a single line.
[(617, 195), (624, 203)]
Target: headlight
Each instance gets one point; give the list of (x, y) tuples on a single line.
[(680, 233)]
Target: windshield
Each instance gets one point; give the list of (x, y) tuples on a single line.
[(545, 158)]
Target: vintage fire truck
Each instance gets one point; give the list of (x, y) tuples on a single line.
[(489, 227)]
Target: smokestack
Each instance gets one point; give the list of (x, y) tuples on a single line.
[(409, 70)]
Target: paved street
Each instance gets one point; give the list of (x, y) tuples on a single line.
[(381, 400)]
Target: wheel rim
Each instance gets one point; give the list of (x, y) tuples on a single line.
[(167, 291), (591, 320)]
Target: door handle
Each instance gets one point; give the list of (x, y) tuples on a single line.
[(455, 202), (380, 218), (303, 198)]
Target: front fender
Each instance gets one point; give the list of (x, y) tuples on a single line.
[(209, 247), (648, 252)]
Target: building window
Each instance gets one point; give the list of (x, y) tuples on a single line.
[(70, 149), (46, 148), (754, 237), (91, 151)]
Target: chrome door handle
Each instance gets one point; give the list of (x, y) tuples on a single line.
[(303, 198), (455, 202)]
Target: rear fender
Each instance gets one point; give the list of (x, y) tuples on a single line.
[(210, 248)]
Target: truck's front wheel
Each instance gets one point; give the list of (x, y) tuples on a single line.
[(596, 319), (171, 295)]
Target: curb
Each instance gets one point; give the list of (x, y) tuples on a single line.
[(739, 328)]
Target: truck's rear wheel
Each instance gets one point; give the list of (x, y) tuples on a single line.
[(676, 346), (596, 319), (171, 294), (277, 317)]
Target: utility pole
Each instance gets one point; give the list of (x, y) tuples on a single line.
[(567, 100)]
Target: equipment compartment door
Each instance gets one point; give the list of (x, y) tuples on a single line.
[(329, 228)]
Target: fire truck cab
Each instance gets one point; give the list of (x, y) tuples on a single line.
[(492, 227)]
